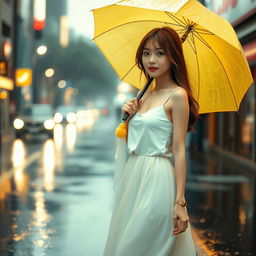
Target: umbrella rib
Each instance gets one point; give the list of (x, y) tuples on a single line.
[(191, 44), (226, 76), (131, 23), (204, 30), (198, 69), (189, 22), (181, 29), (128, 71), (201, 39), (186, 22), (209, 33), (175, 19)]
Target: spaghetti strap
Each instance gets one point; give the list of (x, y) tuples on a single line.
[(170, 95)]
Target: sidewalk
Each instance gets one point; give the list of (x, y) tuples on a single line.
[(221, 200)]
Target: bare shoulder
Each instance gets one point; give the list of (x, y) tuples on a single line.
[(180, 100), (180, 94)]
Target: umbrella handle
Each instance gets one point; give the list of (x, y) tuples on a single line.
[(126, 114)]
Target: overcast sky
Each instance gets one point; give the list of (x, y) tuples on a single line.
[(80, 17)]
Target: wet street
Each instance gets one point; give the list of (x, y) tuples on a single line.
[(56, 196), (222, 205), (58, 202)]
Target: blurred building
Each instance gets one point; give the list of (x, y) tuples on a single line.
[(233, 133), (56, 27), (24, 25), (8, 10), (33, 35), (57, 20)]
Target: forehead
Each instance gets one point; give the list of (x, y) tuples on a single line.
[(152, 44)]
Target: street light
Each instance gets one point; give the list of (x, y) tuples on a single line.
[(41, 50), (62, 84), (49, 72)]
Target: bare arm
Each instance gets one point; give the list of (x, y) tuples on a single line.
[(180, 116)]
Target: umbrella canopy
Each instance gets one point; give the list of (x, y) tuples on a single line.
[(218, 71)]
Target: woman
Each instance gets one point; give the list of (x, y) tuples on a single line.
[(149, 213)]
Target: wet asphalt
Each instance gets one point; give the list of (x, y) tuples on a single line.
[(57, 196), (61, 203), (222, 205)]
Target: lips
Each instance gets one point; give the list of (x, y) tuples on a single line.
[(152, 69)]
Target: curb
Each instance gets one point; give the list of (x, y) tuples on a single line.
[(201, 248)]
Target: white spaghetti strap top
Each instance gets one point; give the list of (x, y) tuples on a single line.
[(150, 133)]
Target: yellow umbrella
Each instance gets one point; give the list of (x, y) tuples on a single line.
[(218, 70)]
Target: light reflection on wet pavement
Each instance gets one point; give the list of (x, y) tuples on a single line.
[(222, 201), (59, 202)]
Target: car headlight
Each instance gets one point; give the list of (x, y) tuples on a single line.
[(71, 117), (49, 124), (18, 123), (58, 117)]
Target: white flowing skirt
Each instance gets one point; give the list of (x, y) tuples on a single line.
[(141, 223)]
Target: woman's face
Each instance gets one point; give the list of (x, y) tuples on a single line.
[(154, 59)]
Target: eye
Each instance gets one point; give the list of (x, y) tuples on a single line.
[(159, 53), (145, 53)]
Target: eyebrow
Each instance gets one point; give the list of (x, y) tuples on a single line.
[(155, 48)]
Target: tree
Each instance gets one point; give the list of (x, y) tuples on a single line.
[(83, 64)]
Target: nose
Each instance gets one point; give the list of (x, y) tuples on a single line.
[(152, 58)]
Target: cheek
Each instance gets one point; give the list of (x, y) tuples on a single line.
[(166, 64)]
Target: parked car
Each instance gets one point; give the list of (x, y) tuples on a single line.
[(65, 114), (35, 119)]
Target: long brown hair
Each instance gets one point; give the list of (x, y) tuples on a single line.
[(170, 42)]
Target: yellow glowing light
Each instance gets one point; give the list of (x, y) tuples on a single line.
[(70, 137), (71, 117), (49, 72), (18, 123), (7, 49), (3, 95), (41, 50), (49, 124), (58, 142), (58, 136), (23, 76), (62, 84), (18, 153), (58, 118), (6, 83), (49, 165), (64, 31), (40, 215), (81, 114)]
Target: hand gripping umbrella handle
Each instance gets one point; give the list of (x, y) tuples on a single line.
[(126, 114)]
